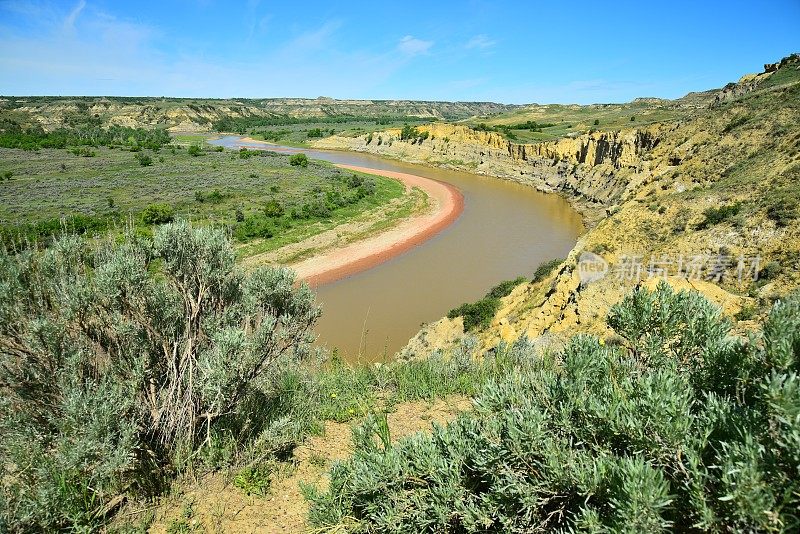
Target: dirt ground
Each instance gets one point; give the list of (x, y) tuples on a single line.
[(219, 506)]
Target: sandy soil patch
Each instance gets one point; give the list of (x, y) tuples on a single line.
[(219, 506)]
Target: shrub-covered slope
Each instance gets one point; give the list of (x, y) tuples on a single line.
[(675, 425)]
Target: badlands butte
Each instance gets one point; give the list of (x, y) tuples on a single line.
[(710, 175)]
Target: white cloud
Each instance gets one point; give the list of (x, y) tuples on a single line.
[(481, 42), (69, 21), (317, 38), (412, 46)]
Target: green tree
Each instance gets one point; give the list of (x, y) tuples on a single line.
[(118, 361), (299, 160), (408, 132)]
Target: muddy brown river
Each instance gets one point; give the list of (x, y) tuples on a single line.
[(506, 230)]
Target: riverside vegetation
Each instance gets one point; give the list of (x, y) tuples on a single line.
[(265, 199), (669, 410)]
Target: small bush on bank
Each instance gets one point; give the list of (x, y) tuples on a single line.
[(480, 313), (679, 427), (545, 269), (476, 314), (503, 289)]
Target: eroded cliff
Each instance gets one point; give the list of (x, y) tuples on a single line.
[(594, 171)]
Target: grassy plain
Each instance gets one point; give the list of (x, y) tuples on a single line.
[(223, 188)]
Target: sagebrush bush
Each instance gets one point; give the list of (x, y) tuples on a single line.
[(681, 427), (116, 361)]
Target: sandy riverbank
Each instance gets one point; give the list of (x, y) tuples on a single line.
[(447, 203)]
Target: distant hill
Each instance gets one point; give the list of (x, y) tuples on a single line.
[(199, 114)]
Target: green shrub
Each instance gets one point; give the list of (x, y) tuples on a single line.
[(679, 427), (273, 208), (409, 132), (143, 159), (7, 175), (254, 480), (503, 289), (735, 123), (214, 197), (117, 362), (476, 314), (299, 160), (480, 313), (769, 271), (84, 151), (254, 227), (713, 216), (545, 269), (783, 210), (158, 214), (194, 150)]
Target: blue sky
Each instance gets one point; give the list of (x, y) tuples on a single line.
[(513, 52)]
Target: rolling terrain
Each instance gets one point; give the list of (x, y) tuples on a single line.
[(646, 382)]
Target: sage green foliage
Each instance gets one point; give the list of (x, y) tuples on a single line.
[(119, 361), (144, 159), (254, 480), (679, 426)]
